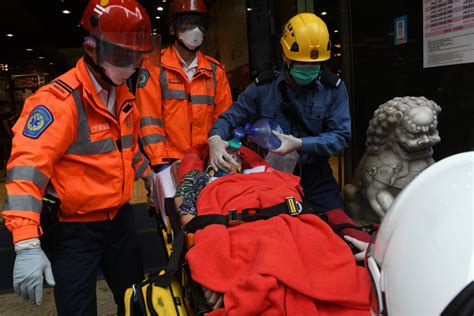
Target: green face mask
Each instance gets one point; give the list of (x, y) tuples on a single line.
[(304, 74)]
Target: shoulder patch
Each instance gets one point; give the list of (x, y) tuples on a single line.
[(143, 78), (38, 121)]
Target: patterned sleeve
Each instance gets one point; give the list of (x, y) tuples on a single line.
[(190, 187)]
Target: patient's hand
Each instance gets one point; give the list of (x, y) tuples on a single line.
[(359, 244), (214, 299)]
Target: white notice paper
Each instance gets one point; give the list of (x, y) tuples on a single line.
[(448, 32)]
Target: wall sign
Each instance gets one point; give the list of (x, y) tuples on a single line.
[(400, 30), (448, 32)]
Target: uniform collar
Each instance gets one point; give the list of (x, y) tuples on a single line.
[(170, 59)]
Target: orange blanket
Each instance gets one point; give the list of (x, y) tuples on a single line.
[(283, 265)]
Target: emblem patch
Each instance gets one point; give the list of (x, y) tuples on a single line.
[(38, 121), (143, 78)]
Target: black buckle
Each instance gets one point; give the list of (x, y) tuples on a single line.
[(294, 207), (247, 215), (233, 218)]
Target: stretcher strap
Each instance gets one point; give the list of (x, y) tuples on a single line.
[(164, 280), (234, 217)]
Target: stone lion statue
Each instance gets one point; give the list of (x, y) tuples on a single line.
[(400, 141)]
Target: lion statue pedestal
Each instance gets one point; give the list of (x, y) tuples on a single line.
[(400, 141)]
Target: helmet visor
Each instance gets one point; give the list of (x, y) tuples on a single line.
[(130, 55)]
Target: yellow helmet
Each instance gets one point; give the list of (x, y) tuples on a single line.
[(306, 38)]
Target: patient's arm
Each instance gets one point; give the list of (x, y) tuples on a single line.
[(187, 194), (185, 218)]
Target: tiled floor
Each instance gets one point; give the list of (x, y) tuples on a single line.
[(10, 304)]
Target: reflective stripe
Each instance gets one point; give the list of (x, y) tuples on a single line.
[(83, 134), (99, 147), (214, 79), (167, 93), (174, 94), (83, 144), (202, 99), (127, 141), (22, 203), (152, 139), (137, 157), (28, 173), (141, 168), (148, 120)]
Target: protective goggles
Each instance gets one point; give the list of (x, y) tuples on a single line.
[(373, 266), (189, 21)]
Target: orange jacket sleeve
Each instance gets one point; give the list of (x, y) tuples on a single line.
[(149, 103), (223, 97), (42, 135)]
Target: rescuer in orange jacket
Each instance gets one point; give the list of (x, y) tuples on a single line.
[(179, 101), (77, 142)]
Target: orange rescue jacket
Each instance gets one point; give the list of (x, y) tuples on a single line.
[(68, 144), (176, 113)]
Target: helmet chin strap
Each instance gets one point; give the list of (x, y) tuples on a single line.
[(101, 71)]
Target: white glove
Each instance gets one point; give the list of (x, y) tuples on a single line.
[(218, 155), (289, 143), (30, 265), (360, 245)]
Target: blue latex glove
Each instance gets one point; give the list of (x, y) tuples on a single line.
[(31, 264)]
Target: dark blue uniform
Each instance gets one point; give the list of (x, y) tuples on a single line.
[(321, 119)]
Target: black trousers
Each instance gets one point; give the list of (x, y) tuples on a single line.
[(319, 186), (81, 248)]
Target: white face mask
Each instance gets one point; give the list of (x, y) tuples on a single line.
[(117, 75), (192, 38)]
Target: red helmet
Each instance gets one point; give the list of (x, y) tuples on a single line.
[(123, 23), (187, 6)]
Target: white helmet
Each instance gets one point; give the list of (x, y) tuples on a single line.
[(422, 261)]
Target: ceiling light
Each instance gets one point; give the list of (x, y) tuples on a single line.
[(10, 35), (249, 9), (40, 57), (66, 11), (157, 17), (324, 13), (154, 33), (336, 31), (337, 45), (154, 30), (51, 64), (160, 8), (29, 49)]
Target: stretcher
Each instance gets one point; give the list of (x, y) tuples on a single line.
[(187, 295)]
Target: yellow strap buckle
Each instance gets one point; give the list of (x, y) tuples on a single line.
[(294, 207)]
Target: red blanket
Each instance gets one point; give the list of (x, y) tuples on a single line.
[(283, 265)]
